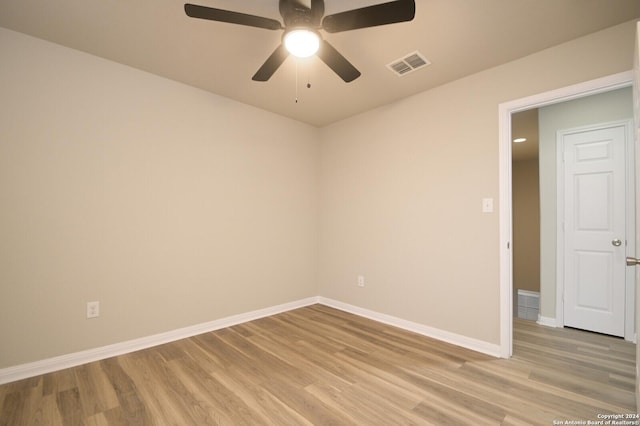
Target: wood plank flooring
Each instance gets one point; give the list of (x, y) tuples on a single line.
[(320, 366)]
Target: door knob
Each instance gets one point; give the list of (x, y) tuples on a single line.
[(632, 261), (616, 242)]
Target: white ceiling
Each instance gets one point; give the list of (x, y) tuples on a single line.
[(459, 37)]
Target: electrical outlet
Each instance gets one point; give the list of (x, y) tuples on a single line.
[(487, 205), (93, 309), (360, 281)]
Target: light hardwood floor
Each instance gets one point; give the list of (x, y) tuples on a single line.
[(320, 366)]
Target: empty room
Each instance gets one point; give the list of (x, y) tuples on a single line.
[(200, 224)]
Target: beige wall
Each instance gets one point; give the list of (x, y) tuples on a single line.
[(610, 106), (401, 190), (173, 206), (169, 205), (526, 225)]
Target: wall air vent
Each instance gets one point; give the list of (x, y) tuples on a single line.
[(408, 64)]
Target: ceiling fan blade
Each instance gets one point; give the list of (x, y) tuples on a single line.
[(272, 64), (317, 11), (220, 15), (338, 63), (371, 16)]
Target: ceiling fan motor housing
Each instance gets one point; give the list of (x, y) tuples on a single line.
[(296, 16)]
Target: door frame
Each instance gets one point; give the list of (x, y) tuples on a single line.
[(592, 87), (630, 243)]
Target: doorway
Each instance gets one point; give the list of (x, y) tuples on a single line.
[(506, 237), (599, 305), (526, 215)]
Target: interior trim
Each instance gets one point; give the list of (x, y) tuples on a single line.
[(23, 371), (547, 321), (49, 365), (435, 333)]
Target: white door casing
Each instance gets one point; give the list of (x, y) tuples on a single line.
[(592, 208), (636, 116)]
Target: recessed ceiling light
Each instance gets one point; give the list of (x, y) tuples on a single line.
[(519, 140)]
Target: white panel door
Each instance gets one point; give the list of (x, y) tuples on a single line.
[(594, 228)]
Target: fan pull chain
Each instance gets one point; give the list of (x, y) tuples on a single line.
[(297, 82)]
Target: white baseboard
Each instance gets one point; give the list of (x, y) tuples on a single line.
[(23, 371), (547, 321), (445, 336)]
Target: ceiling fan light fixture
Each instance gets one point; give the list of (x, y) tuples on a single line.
[(302, 43), (302, 21)]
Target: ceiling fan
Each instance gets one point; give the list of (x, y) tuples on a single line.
[(302, 21)]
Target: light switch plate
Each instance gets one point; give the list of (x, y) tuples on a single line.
[(93, 309)]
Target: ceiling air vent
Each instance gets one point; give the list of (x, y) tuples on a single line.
[(408, 64)]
